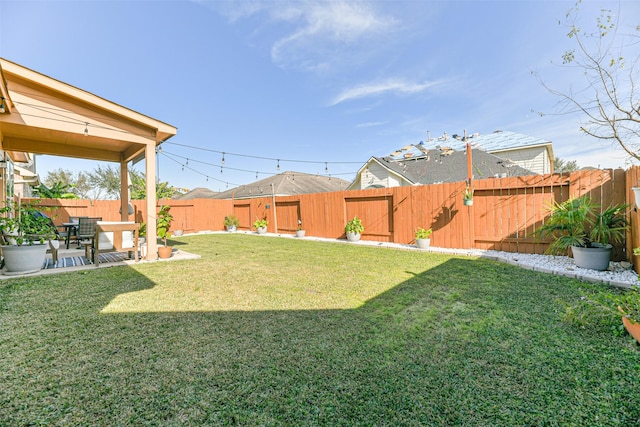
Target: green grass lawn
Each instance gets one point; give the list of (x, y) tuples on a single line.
[(270, 331)]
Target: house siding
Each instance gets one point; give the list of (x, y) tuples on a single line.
[(535, 159), (376, 176)]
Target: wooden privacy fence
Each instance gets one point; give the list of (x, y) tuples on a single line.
[(503, 217)]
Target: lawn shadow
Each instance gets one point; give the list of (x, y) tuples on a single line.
[(440, 348)]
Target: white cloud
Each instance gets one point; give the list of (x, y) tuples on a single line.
[(394, 86), (315, 34)]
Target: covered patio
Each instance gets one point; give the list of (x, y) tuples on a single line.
[(42, 115)]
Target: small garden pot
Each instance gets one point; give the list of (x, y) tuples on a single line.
[(300, 233), (231, 228), (178, 233), (164, 251), (632, 328), (468, 202), (353, 237), (423, 243), (262, 230)]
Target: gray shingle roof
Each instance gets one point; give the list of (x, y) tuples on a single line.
[(286, 184), (435, 166), (198, 193)]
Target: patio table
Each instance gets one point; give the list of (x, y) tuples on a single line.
[(69, 227)]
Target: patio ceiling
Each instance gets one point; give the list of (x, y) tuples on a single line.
[(45, 116)]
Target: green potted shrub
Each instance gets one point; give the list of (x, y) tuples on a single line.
[(163, 225), (354, 229), (27, 233), (582, 226), (261, 225), (231, 223), (467, 196), (422, 237)]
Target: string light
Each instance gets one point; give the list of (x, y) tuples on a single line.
[(86, 128), (223, 157), (326, 167), (278, 167)]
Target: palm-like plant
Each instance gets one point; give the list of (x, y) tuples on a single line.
[(579, 222)]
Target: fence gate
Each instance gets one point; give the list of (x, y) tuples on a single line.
[(288, 214), (376, 214)]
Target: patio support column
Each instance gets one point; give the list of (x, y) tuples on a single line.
[(152, 234), (124, 192)]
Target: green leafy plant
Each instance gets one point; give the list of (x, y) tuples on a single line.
[(260, 223), (142, 231), (354, 226), (163, 223), (421, 233), (599, 306), (579, 222), (25, 224), (231, 221), (468, 193)]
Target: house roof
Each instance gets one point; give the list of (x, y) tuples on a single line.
[(285, 184), (495, 142), (198, 193), (448, 165)]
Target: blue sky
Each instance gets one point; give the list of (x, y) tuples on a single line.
[(335, 82)]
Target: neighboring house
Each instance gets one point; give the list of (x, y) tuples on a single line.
[(285, 184), (198, 193), (419, 165), (529, 152)]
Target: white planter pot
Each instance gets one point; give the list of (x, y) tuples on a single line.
[(262, 230), (178, 233), (231, 228), (468, 202), (423, 243), (353, 237), (636, 194), (23, 259), (592, 258), (300, 233)]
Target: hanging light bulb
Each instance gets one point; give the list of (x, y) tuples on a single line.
[(256, 175), (2, 110), (220, 169), (187, 162), (326, 167), (278, 167), (223, 157), (182, 168), (86, 128)]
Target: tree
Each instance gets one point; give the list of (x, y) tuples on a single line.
[(57, 191), (560, 165), (75, 183), (139, 188), (105, 181), (607, 98)]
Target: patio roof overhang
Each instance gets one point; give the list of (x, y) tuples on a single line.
[(43, 115)]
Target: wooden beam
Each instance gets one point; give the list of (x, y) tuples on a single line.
[(57, 149)]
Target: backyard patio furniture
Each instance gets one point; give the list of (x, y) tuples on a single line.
[(114, 237), (86, 230)]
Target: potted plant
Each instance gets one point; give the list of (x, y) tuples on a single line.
[(231, 223), (261, 225), (163, 224), (27, 234), (300, 231), (581, 225), (422, 237), (354, 229), (467, 196)]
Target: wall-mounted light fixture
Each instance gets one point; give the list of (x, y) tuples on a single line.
[(2, 109)]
